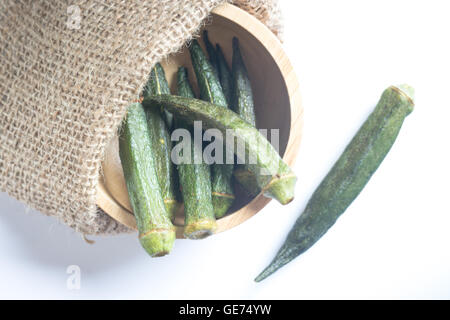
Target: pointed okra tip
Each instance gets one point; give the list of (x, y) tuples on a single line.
[(260, 277), (286, 254), (269, 270), (205, 36), (219, 48), (194, 44), (235, 44)]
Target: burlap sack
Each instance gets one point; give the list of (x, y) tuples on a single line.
[(68, 70)]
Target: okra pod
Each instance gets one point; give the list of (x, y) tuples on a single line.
[(224, 73), (242, 104), (156, 232), (348, 176), (183, 86), (157, 84), (212, 54), (162, 145), (195, 179), (208, 83), (273, 175), (242, 95), (211, 91)]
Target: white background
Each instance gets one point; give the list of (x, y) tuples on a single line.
[(393, 242)]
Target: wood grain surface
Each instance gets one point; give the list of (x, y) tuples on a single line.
[(277, 105)]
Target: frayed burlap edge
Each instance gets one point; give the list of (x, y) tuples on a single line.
[(65, 83)]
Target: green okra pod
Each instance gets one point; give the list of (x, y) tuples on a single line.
[(211, 91), (348, 176), (208, 83), (242, 103), (157, 84), (183, 85), (162, 145), (156, 232), (212, 54), (224, 73), (273, 175), (242, 95), (195, 179)]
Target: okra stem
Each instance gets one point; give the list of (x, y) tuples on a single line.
[(348, 176), (211, 91), (160, 138), (195, 179), (156, 232)]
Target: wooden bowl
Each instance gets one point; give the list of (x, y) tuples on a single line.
[(277, 105)]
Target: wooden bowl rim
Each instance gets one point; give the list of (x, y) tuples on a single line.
[(273, 46)]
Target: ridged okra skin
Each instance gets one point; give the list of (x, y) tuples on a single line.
[(273, 175), (242, 95), (224, 73), (157, 84), (211, 91), (348, 176), (156, 232), (195, 179), (212, 53), (162, 144), (242, 104), (208, 83)]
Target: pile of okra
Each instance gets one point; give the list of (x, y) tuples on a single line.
[(161, 176), (156, 186)]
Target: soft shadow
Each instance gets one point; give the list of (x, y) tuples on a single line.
[(43, 240)]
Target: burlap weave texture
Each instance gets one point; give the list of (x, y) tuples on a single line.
[(68, 70)]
